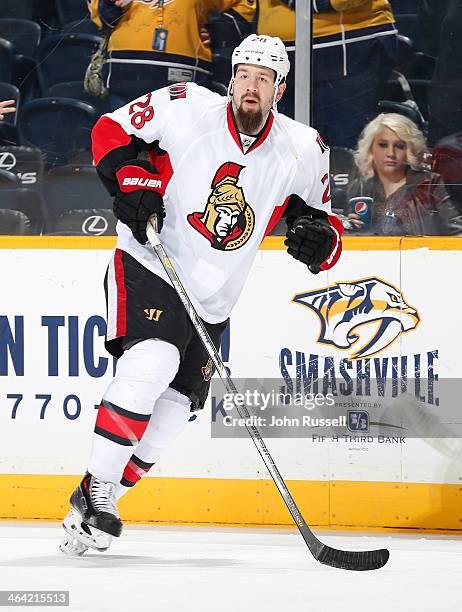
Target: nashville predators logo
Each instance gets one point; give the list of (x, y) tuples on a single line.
[(227, 221), (365, 315)]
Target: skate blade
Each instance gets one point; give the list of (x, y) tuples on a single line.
[(71, 547), (88, 536)]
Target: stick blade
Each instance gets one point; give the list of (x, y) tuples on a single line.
[(359, 561)]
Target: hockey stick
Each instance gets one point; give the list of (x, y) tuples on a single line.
[(350, 560)]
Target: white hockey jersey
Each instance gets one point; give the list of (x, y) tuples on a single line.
[(219, 201)]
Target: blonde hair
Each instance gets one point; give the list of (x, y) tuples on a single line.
[(404, 128)]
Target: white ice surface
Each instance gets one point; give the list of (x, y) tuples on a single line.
[(173, 569)]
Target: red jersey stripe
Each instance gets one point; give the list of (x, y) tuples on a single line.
[(337, 226), (106, 136), (264, 134), (121, 314), (232, 127), (276, 215)]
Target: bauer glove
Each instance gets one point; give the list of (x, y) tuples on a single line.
[(310, 241), (139, 196)]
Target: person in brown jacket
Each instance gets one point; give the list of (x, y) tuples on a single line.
[(407, 198)]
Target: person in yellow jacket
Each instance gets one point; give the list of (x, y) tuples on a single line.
[(154, 43), (354, 50)]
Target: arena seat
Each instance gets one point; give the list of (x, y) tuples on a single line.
[(25, 77), (26, 163), (419, 88), (59, 127), (13, 222), (24, 201), (24, 169), (8, 180), (64, 57), (6, 60), (409, 109), (224, 36), (422, 66), (76, 91), (71, 10), (406, 50), (23, 34), (77, 202), (81, 26), (409, 25), (217, 87), (84, 222)]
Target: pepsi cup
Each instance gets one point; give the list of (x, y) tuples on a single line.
[(363, 208)]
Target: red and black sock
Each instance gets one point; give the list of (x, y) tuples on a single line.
[(134, 470), (119, 425)]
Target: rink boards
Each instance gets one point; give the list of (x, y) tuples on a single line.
[(53, 371)]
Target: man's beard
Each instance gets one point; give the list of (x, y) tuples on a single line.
[(249, 121)]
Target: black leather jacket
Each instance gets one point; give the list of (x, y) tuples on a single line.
[(420, 207)]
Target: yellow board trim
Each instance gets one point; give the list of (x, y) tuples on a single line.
[(381, 243), (58, 242), (329, 504), (270, 243)]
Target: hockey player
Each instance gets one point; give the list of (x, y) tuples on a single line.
[(218, 173)]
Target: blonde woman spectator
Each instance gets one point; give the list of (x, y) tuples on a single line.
[(6, 107), (407, 198)]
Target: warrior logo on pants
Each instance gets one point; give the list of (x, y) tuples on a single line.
[(227, 221)]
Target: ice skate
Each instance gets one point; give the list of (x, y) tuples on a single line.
[(70, 544), (93, 518), (80, 537)]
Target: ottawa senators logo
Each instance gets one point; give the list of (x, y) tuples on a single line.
[(227, 221), (178, 90)]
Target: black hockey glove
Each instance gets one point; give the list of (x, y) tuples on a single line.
[(139, 196), (310, 241)]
